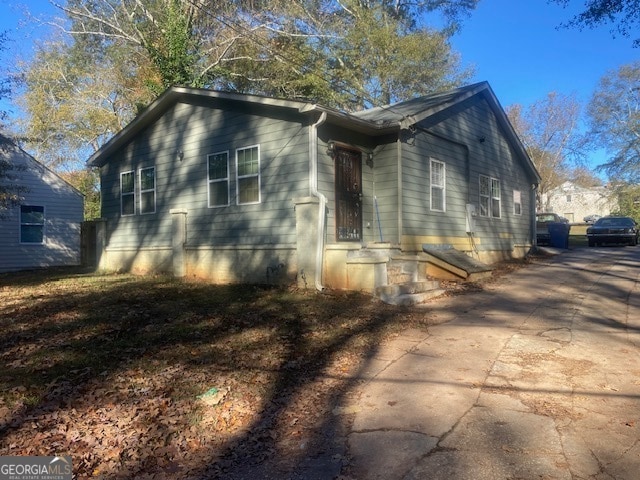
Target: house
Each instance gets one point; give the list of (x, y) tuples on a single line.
[(44, 229), (243, 188), (574, 202)]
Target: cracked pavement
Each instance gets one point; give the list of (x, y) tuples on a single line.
[(534, 377)]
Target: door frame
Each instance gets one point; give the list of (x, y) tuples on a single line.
[(348, 194)]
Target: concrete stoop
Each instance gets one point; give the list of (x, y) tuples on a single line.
[(410, 293), (406, 282)]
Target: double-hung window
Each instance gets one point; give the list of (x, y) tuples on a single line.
[(128, 193), (489, 197), (147, 190), (218, 168), (438, 186), (31, 224), (248, 175), (517, 202)]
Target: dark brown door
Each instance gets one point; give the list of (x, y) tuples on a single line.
[(348, 195)]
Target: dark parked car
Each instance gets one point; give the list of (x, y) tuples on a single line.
[(613, 230)]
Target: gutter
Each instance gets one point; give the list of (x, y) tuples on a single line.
[(313, 186)]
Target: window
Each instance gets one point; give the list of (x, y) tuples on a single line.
[(568, 198), (438, 186), (489, 197), (517, 202), (495, 198), (218, 164), (127, 193), (248, 175), (31, 224), (148, 190)]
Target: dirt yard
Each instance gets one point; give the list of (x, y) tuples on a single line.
[(157, 378)]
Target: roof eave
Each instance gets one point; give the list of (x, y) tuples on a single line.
[(174, 94)]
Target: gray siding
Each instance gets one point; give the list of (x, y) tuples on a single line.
[(418, 218), (386, 190), (465, 126), (198, 130), (63, 209)]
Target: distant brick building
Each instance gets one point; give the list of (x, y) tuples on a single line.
[(574, 202)]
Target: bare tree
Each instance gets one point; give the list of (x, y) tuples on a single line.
[(549, 130), (614, 119)]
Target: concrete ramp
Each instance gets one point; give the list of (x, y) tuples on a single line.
[(447, 263)]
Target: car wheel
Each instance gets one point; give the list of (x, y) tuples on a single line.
[(592, 243)]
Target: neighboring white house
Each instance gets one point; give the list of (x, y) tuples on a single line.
[(44, 230), (574, 202)]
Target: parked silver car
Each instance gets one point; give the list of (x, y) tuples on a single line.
[(592, 218)]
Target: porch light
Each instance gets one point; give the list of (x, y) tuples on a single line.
[(331, 148)]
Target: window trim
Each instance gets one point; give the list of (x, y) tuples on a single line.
[(132, 193), (241, 177), (43, 225), (218, 180), (498, 198), (140, 170), (489, 197), (442, 187), (517, 201)]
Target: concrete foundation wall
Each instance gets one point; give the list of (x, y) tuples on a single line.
[(137, 261), (474, 247), (273, 265)]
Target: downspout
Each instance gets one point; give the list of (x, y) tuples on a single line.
[(533, 209), (313, 186), (400, 190)]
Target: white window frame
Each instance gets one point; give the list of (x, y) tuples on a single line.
[(249, 176), (132, 193), (517, 202), (442, 186), (489, 197), (147, 190), (32, 224), (211, 181), (496, 197)]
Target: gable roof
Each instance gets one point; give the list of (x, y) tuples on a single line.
[(374, 121), (11, 152), (415, 110), (412, 111)]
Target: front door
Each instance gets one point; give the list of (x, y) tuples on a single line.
[(348, 195)]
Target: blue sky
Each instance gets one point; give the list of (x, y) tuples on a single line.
[(514, 44)]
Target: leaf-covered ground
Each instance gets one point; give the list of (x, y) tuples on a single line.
[(149, 377)]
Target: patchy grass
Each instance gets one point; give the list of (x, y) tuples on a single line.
[(578, 236), (112, 369)]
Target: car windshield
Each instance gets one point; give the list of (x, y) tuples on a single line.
[(614, 222), (546, 218)]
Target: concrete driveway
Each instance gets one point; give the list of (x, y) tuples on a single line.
[(536, 377)]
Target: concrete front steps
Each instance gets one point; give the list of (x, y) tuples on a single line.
[(410, 293), (406, 281)]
